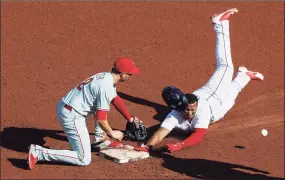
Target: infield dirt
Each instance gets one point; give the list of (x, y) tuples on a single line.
[(49, 47)]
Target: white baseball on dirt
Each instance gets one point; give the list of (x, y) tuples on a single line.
[(264, 132)]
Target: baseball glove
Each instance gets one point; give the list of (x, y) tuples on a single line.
[(135, 131)]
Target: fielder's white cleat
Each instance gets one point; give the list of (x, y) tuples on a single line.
[(251, 74), (32, 156), (217, 18)]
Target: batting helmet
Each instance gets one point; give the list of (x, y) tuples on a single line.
[(174, 98)]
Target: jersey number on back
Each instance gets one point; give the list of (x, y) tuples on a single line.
[(86, 81)]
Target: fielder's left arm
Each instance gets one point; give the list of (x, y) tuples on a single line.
[(119, 104)]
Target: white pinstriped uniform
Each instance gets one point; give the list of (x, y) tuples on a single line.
[(218, 95)]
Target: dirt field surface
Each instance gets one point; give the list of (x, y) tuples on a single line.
[(47, 48)]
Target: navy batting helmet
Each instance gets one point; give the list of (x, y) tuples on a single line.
[(174, 98)]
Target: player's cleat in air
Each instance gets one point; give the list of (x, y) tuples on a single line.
[(224, 15), (251, 74), (32, 157)]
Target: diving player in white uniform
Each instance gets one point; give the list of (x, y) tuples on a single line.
[(92, 96), (192, 113)]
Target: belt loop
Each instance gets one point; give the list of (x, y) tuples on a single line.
[(66, 106)]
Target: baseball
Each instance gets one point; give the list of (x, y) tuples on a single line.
[(264, 132)]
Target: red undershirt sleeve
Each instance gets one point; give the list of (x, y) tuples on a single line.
[(118, 103), (195, 137), (101, 115)]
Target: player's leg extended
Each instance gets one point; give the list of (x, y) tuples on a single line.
[(237, 85), (222, 77), (74, 126)]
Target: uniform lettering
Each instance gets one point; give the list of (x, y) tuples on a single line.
[(86, 81)]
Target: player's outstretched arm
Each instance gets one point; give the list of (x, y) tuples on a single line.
[(192, 140), (158, 136)]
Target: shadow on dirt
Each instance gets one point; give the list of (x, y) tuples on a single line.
[(208, 169), (19, 163), (19, 139), (239, 147), (162, 110)]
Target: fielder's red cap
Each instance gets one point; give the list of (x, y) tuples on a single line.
[(126, 65)]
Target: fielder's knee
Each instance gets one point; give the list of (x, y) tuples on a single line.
[(85, 161)]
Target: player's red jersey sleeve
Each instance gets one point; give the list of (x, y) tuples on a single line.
[(195, 137), (101, 115), (118, 103)]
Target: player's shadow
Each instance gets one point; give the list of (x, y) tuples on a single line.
[(19, 139), (209, 169), (161, 110), (19, 163)]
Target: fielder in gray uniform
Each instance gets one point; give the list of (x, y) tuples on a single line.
[(92, 96)]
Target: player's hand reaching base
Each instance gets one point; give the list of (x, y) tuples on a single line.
[(173, 147), (118, 135)]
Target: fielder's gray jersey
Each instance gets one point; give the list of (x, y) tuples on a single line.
[(94, 93)]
